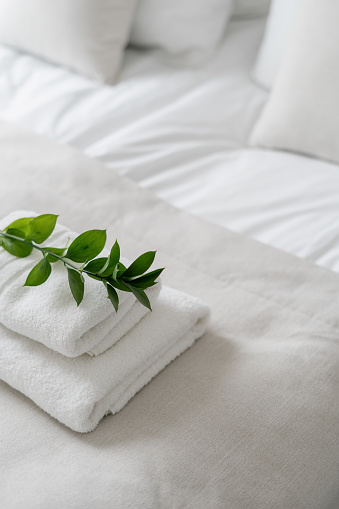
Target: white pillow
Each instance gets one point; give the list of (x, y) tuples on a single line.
[(278, 29), (302, 113), (250, 8), (87, 36), (189, 30)]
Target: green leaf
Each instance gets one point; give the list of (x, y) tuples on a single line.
[(113, 296), (39, 274), (146, 280), (107, 270), (140, 295), (16, 247), (56, 250), (95, 265), (94, 277), (41, 227), (111, 261), (118, 284), (140, 265), (76, 284), (115, 253), (16, 233), (119, 270), (87, 246), (0, 241), (20, 224)]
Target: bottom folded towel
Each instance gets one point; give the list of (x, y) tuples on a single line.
[(80, 391)]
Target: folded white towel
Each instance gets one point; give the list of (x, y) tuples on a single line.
[(49, 314), (79, 392)]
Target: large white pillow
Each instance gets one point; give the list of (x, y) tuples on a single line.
[(280, 21), (302, 113), (87, 36), (250, 8), (188, 30)]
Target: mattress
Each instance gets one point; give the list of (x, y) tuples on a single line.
[(182, 134)]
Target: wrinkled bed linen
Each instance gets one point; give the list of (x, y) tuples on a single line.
[(181, 133), (247, 418)]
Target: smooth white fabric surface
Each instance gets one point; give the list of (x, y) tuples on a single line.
[(190, 30), (301, 114), (250, 8), (181, 133), (80, 392), (279, 26), (49, 314), (85, 35)]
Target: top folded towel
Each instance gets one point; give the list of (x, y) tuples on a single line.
[(48, 313)]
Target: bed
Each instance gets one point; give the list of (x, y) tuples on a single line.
[(183, 134), (249, 416)]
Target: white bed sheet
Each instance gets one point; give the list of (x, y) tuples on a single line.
[(182, 133)]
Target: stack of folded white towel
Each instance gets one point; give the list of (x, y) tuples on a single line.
[(82, 363)]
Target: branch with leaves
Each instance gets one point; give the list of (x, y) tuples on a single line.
[(27, 233)]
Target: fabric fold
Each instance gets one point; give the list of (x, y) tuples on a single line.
[(49, 314), (79, 392)]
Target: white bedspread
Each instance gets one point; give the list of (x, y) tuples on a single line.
[(182, 134), (248, 418)]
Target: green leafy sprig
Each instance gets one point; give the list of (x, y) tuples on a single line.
[(25, 234)]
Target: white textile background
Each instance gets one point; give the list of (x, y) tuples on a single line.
[(182, 133)]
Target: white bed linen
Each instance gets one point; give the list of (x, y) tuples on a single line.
[(248, 418), (182, 134)]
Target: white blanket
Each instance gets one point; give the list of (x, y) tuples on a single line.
[(181, 133), (247, 418)]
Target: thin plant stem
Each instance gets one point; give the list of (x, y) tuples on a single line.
[(44, 251)]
